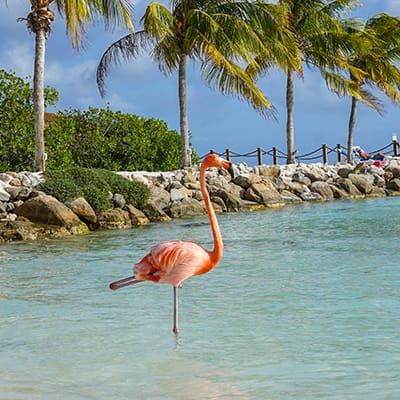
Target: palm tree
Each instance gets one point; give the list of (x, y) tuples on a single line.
[(221, 34), (319, 39), (76, 13), (376, 51)]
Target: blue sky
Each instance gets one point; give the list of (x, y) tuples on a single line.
[(215, 121)]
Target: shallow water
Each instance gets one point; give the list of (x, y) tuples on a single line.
[(304, 305)]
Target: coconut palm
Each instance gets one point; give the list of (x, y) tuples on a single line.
[(76, 13), (318, 34), (220, 34), (376, 51)]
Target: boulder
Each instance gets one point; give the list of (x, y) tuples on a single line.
[(18, 229), (47, 210), (273, 171), (348, 186), (188, 207), (246, 180), (338, 193), (159, 196), (118, 201), (394, 184), (83, 210), (137, 216), (362, 183), (4, 195), (301, 178), (114, 218), (322, 188), (263, 192), (155, 213)]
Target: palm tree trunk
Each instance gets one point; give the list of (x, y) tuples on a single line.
[(289, 118), (352, 122), (184, 124), (38, 99)]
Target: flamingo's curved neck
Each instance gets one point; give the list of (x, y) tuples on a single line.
[(216, 253)]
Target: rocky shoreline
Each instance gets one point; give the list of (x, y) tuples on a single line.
[(27, 214)]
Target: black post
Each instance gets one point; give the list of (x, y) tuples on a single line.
[(275, 155), (325, 154), (395, 147), (228, 154), (339, 152), (259, 154)]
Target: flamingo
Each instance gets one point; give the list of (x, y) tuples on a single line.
[(174, 261)]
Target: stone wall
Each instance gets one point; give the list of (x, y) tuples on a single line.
[(27, 214)]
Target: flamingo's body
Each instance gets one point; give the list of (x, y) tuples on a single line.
[(174, 261)]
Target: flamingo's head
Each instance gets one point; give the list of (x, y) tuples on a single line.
[(214, 160)]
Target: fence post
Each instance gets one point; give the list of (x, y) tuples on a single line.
[(339, 152), (275, 155), (259, 154), (395, 146), (325, 154), (228, 155), (212, 151)]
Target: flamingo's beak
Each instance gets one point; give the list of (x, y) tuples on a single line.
[(123, 282)]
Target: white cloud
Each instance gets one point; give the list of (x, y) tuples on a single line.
[(18, 58)]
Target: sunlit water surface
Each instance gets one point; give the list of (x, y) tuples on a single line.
[(304, 305)]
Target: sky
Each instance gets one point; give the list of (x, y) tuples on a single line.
[(215, 121)]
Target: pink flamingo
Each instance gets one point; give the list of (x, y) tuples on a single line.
[(174, 261)]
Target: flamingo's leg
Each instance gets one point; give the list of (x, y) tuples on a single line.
[(175, 329)]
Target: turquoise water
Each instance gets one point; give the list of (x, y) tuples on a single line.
[(304, 305)]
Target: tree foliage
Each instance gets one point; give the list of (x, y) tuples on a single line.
[(94, 138), (17, 121), (101, 138)]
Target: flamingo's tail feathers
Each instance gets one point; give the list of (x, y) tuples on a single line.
[(131, 280)]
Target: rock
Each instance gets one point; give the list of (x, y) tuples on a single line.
[(118, 201), (289, 197), (360, 168), (348, 187), (232, 199), (344, 172), (180, 194), (263, 192), (137, 216), (19, 229), (160, 197), (83, 210), (301, 178), (311, 196), (187, 208), (246, 180), (154, 213), (48, 210), (322, 188), (273, 171), (394, 184), (4, 195), (115, 218), (338, 193), (361, 182)]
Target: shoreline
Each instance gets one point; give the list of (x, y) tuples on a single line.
[(26, 214)]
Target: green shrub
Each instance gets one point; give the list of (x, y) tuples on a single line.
[(95, 185)]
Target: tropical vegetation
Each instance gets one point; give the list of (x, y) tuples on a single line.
[(222, 35), (95, 185), (77, 14), (234, 42), (92, 138), (375, 46)]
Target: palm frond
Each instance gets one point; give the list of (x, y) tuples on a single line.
[(124, 49)]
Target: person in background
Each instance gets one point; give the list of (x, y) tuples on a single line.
[(360, 155)]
